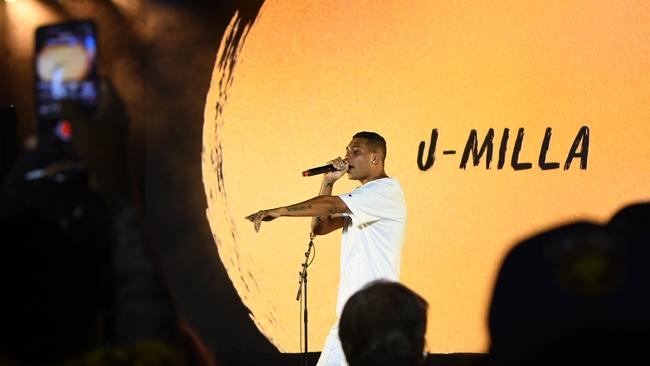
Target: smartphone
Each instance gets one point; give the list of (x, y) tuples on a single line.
[(65, 65), (65, 68)]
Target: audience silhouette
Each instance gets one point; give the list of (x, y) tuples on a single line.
[(384, 324), (55, 286), (574, 294)]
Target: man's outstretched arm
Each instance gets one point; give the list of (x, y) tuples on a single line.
[(321, 225), (319, 206)]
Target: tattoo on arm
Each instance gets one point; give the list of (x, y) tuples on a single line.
[(329, 185), (298, 208), (318, 219)]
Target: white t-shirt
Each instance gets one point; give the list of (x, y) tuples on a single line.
[(373, 236)]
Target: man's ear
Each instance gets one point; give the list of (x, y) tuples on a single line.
[(376, 157)]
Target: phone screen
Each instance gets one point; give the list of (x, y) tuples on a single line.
[(65, 67)]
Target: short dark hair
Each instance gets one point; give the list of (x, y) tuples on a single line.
[(375, 141), (383, 324)]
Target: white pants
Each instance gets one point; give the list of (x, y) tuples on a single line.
[(332, 354)]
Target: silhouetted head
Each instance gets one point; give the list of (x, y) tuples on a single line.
[(384, 324), (633, 221), (576, 293)]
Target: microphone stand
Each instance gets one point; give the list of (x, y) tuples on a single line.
[(303, 287)]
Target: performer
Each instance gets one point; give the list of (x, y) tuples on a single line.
[(373, 218)]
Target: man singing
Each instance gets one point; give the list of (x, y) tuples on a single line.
[(373, 218)]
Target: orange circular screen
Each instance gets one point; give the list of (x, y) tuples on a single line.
[(501, 119)]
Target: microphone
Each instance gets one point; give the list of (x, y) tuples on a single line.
[(320, 170)]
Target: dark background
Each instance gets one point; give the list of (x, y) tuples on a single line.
[(160, 59)]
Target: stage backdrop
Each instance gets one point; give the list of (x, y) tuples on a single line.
[(502, 118)]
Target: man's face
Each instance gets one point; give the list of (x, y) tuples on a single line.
[(359, 156)]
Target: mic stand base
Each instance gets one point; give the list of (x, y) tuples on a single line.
[(302, 290)]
